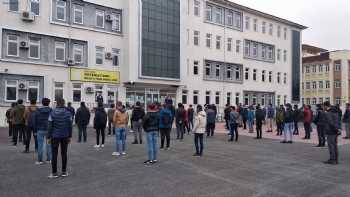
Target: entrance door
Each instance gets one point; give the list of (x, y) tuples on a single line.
[(152, 96)]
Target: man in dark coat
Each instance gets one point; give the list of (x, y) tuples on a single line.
[(82, 119)]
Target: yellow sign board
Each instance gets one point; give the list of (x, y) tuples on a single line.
[(92, 75)]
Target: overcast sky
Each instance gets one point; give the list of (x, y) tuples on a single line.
[(327, 20)]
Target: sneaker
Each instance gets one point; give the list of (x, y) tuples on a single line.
[(64, 174), (167, 148), (195, 155), (97, 146), (148, 162), (53, 176), (102, 146), (39, 163), (123, 153), (115, 154), (154, 161), (48, 161)]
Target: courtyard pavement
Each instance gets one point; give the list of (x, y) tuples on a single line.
[(247, 168)]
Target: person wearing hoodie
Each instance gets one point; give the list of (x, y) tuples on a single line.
[(137, 116), (100, 121), (110, 114), (307, 121), (120, 122), (165, 125), (288, 124), (199, 130), (18, 122), (60, 134), (29, 129), (151, 127), (234, 122), (82, 119), (251, 116), (41, 124)]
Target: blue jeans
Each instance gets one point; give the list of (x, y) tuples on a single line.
[(152, 145), (120, 136), (288, 131), (41, 135), (250, 125), (82, 132)]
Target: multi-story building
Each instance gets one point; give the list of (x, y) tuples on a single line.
[(325, 77), (309, 50), (234, 54)]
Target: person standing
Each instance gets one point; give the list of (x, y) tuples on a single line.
[(190, 112), (332, 129), (29, 129), (60, 134), (151, 127), (180, 121), (82, 119), (245, 117), (280, 120), (296, 113), (227, 112), (233, 121), (18, 122), (319, 121), (9, 118), (251, 117), (199, 130), (71, 110), (211, 117), (307, 121), (288, 125), (110, 113), (138, 113), (165, 125), (346, 121), (100, 122), (120, 121), (187, 124), (41, 125), (259, 117), (270, 117)]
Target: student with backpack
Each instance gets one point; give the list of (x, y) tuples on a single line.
[(165, 125)]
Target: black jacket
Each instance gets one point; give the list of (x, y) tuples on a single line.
[(180, 115), (289, 116), (151, 122), (82, 117), (332, 123), (259, 116), (137, 114), (100, 119)]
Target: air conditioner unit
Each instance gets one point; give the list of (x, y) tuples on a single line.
[(71, 62), (109, 18), (89, 90), (22, 85), (23, 44), (27, 16), (108, 55)]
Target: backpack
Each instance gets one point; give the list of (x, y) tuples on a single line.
[(166, 119)]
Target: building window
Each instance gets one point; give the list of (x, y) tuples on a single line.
[(327, 67), (338, 101), (207, 97), (314, 85), (78, 53), (217, 72), (337, 84), (58, 90), (78, 14), (263, 75), (320, 84), (255, 26), (307, 85), (217, 98), (255, 49), (246, 74), (60, 51), (285, 55), (247, 48), (247, 22), (278, 100), (263, 103), (270, 53), (218, 15), (209, 13), (195, 97), (270, 76), (337, 67), (11, 90), (218, 42), (196, 38), (246, 99), (34, 48), (237, 99), (196, 10), (111, 96), (278, 31), (98, 91), (238, 74), (116, 22), (307, 69), (238, 46), (229, 44), (208, 40), (254, 74), (12, 45), (99, 55), (285, 78), (271, 29), (33, 91), (228, 98), (76, 92), (61, 10), (320, 68), (254, 99), (308, 101), (238, 20), (314, 68), (328, 84), (278, 54), (207, 69), (195, 68), (228, 72), (115, 54), (184, 96), (320, 100), (13, 5), (35, 7), (229, 18), (263, 28), (263, 52), (278, 77), (100, 18)]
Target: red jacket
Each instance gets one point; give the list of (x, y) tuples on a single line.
[(307, 115)]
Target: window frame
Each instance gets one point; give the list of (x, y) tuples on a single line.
[(76, 48), (99, 51), (100, 13), (196, 8), (60, 47), (238, 46), (64, 7), (12, 41), (9, 6), (195, 65), (208, 40), (229, 44), (58, 88), (11, 86), (218, 43), (196, 39), (75, 9), (77, 89), (35, 1), (117, 18), (32, 42), (37, 87), (247, 23)]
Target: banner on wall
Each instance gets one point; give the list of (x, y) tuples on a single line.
[(96, 76)]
